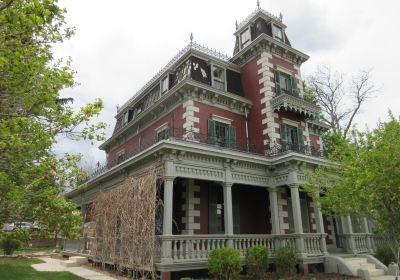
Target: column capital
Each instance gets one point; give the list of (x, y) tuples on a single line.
[(272, 189), (227, 184), (169, 178), (294, 186)]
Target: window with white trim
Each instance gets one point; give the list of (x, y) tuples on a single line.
[(164, 85), (277, 32), (245, 38), (125, 118), (139, 109), (218, 79), (162, 132)]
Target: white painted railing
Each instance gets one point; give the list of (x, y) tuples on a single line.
[(243, 242), (198, 247), (312, 244), (361, 242)]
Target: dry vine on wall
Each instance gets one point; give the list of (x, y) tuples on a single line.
[(125, 223)]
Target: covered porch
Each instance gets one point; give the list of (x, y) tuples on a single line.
[(200, 216)]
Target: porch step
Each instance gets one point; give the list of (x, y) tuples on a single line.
[(376, 272), (360, 262), (74, 261)]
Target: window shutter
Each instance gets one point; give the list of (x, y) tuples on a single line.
[(284, 136), (211, 132), (300, 137), (277, 83), (235, 211), (212, 210), (232, 137), (293, 82)]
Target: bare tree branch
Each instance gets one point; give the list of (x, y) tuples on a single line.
[(340, 100)]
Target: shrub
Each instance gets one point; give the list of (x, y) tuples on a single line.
[(385, 254), (256, 261), (225, 263), (9, 244), (285, 261)]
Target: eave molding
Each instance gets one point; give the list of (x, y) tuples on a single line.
[(266, 43)]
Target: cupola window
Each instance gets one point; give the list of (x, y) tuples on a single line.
[(277, 32), (245, 38)]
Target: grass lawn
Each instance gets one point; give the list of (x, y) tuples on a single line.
[(20, 269)]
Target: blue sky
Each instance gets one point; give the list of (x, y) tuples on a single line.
[(119, 45)]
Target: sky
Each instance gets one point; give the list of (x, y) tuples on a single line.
[(120, 45)]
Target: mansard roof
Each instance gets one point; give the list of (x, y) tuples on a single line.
[(190, 48)]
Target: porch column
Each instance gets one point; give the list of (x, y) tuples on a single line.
[(228, 213), (320, 226), (273, 203), (167, 218), (298, 223), (351, 245), (368, 233)]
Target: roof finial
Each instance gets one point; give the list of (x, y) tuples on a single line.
[(258, 4), (191, 37), (280, 16), (236, 24)]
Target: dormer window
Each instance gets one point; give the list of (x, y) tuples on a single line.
[(139, 109), (245, 38), (164, 85), (125, 118), (218, 80), (277, 32)]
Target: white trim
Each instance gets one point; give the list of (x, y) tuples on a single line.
[(290, 122), (241, 46), (161, 127), (166, 77), (120, 152), (284, 70), (221, 119)]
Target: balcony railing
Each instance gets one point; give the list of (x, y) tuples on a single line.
[(239, 144), (295, 103)]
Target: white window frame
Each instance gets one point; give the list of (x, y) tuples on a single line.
[(212, 76), (274, 26), (160, 129), (125, 118), (221, 119), (247, 42), (137, 112), (162, 89)]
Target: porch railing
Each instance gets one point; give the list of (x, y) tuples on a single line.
[(198, 247), (361, 241)]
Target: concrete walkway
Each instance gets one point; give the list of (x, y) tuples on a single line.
[(55, 265)]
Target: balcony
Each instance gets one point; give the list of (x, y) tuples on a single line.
[(200, 138), (295, 103)]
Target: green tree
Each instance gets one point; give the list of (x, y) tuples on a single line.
[(363, 177), (34, 115)]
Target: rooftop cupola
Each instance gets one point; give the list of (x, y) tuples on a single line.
[(257, 23), (263, 31)]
